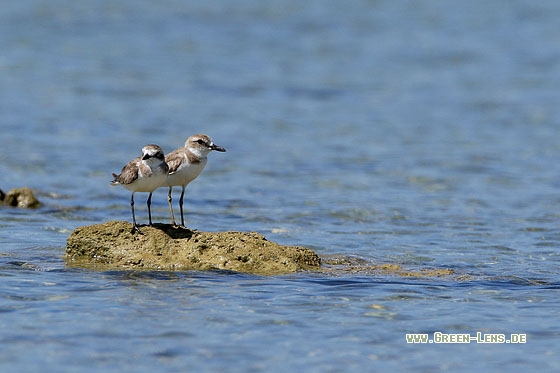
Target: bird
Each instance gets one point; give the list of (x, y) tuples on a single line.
[(185, 164), (143, 174)]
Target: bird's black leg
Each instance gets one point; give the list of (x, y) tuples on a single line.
[(149, 202), (134, 226), (181, 205)]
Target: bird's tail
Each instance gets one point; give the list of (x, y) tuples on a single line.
[(115, 179)]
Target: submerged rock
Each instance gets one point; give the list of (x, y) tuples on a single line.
[(165, 247), (20, 197), (350, 265)]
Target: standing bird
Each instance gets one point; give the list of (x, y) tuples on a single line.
[(185, 164), (143, 174)]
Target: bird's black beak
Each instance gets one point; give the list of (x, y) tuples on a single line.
[(145, 156), (217, 148)]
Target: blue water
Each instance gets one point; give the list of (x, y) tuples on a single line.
[(424, 134)]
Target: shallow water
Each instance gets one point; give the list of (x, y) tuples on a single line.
[(423, 134)]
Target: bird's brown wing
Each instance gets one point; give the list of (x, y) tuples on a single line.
[(129, 173), (174, 160)]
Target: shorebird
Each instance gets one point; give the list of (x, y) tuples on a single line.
[(185, 164), (143, 174)]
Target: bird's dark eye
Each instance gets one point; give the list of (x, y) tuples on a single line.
[(200, 141)]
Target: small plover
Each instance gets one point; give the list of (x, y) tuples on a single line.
[(185, 164), (143, 174)]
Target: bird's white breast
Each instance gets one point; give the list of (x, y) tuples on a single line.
[(186, 172)]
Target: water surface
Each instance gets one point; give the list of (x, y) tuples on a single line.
[(422, 134)]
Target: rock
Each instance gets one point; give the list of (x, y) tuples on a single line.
[(21, 197), (164, 247), (112, 246)]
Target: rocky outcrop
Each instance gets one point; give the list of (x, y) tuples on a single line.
[(165, 247), (19, 197), (112, 245)]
